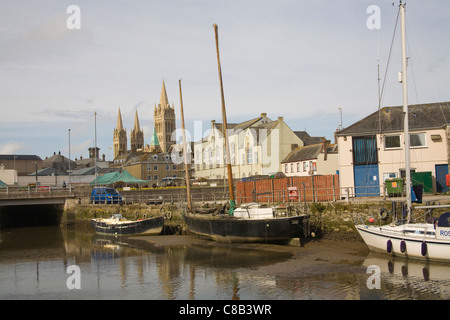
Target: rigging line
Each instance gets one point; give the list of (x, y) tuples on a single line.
[(410, 62), (389, 57), (411, 25), (380, 94)]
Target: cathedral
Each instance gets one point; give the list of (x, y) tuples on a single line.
[(164, 121), (164, 125)]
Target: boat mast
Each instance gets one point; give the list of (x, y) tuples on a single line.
[(405, 114), (225, 134), (185, 151)]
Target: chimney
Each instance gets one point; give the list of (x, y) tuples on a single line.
[(325, 149)]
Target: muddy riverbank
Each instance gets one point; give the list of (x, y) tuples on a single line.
[(314, 256)]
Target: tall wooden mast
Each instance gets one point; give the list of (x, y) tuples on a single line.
[(225, 134)]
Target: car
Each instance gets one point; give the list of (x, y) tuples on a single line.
[(106, 195)]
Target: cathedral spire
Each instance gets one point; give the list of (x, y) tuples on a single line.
[(163, 100), (119, 121), (137, 135), (136, 122), (119, 137)]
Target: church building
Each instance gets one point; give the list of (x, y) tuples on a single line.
[(164, 121)]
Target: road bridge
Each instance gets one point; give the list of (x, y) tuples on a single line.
[(26, 207)]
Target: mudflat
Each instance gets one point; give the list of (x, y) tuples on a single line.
[(314, 256)]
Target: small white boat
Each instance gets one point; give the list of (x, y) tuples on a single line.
[(415, 240), (118, 225)]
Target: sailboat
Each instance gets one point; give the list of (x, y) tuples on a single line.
[(429, 241), (249, 222)]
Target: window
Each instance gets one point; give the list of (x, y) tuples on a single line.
[(286, 168), (299, 166), (391, 142), (249, 156), (155, 167), (365, 150), (417, 140), (155, 178), (292, 167)]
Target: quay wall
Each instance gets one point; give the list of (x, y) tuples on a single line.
[(330, 220)]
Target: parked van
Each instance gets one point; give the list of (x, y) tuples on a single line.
[(106, 195)]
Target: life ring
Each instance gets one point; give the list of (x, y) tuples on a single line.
[(389, 246), (383, 214), (403, 246), (168, 215), (424, 249)]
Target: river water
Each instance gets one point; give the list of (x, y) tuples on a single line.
[(54, 263)]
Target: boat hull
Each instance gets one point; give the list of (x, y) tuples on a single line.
[(149, 226), (229, 229), (409, 246)]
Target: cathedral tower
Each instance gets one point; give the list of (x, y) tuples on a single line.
[(120, 138), (137, 135), (164, 121)]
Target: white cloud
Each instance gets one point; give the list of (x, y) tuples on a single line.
[(12, 147)]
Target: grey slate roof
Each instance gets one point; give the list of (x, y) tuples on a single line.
[(308, 152), (20, 157), (421, 117), (307, 139)]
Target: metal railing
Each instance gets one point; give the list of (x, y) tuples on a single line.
[(14, 192)]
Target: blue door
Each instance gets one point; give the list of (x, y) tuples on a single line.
[(441, 183), (367, 182)]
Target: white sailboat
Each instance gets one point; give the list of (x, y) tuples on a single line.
[(430, 241)]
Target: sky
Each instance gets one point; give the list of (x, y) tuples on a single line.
[(62, 69)]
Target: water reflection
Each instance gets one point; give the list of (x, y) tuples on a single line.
[(34, 261), (411, 279)]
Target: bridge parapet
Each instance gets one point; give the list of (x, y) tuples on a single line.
[(31, 192)]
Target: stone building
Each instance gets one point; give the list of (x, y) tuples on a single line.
[(137, 136), (164, 121), (154, 167), (23, 164), (119, 138), (257, 147)]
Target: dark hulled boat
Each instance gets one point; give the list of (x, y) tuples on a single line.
[(267, 228), (247, 223)]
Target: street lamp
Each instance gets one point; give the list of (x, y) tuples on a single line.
[(70, 185), (15, 173), (95, 150)]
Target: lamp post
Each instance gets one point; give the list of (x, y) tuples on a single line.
[(35, 163), (341, 125), (95, 150), (70, 185), (15, 173)]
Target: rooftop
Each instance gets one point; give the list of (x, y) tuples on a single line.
[(390, 119)]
